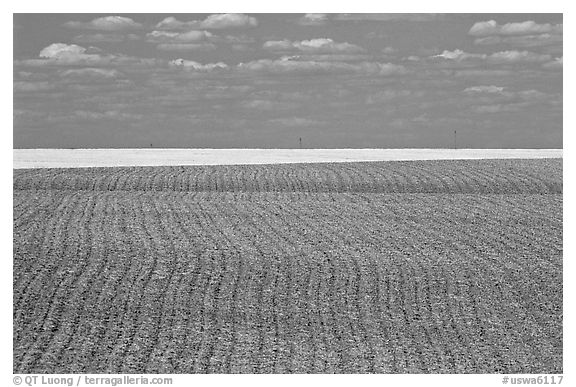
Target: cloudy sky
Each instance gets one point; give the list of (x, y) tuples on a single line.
[(265, 80)]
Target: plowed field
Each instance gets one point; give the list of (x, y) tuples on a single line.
[(379, 267)]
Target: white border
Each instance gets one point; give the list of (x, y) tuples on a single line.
[(294, 6)]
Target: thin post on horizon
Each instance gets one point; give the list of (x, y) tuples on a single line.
[(300, 141), (455, 140)]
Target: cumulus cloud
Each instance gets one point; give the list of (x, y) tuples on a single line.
[(313, 19), (229, 20), (90, 73), (287, 66), (458, 55), (178, 37), (484, 89), (182, 41), (321, 45), (107, 23), (330, 57), (61, 50), (61, 54), (491, 27), (501, 57), (217, 21), (171, 23), (99, 38), (190, 65)]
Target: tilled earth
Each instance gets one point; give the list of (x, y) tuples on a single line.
[(385, 267)]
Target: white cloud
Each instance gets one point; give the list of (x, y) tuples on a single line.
[(321, 45), (491, 27), (182, 41), (313, 19), (177, 37), (171, 23), (186, 46), (98, 38), (107, 23), (501, 57), (228, 20), (389, 50), (484, 89), (287, 66), (61, 50), (190, 65), (90, 73), (458, 55), (61, 54), (217, 21), (329, 57)]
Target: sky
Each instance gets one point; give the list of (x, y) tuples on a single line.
[(268, 80)]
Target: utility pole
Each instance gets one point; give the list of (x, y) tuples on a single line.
[(454, 140), (300, 139)]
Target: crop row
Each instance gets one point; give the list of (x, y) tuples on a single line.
[(448, 176), (179, 282)]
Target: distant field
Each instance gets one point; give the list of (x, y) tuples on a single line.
[(385, 267), (70, 158)]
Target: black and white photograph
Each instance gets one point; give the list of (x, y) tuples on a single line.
[(286, 193)]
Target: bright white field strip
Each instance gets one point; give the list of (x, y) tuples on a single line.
[(70, 158)]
